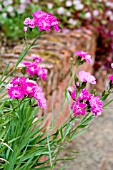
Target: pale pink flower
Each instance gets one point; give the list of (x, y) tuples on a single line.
[(25, 29), (24, 64), (42, 72), (29, 22), (37, 58), (111, 65), (86, 77), (84, 56), (39, 96)]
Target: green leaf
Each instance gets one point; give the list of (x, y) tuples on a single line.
[(68, 128), (74, 135)]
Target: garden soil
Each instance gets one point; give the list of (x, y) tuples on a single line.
[(95, 145)]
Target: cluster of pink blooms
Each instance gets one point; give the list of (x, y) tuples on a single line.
[(33, 69), (86, 77), (85, 101), (84, 56), (20, 87), (43, 20)]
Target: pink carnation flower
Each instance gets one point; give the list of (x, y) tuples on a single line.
[(84, 95), (16, 92), (25, 29), (96, 105), (111, 65), (20, 87), (39, 96), (86, 77), (78, 108), (72, 91), (43, 20), (42, 72), (111, 78), (29, 22), (84, 55), (32, 69), (24, 64), (37, 58)]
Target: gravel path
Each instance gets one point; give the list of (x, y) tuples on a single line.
[(96, 145)]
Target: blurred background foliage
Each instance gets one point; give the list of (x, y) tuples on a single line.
[(96, 15)]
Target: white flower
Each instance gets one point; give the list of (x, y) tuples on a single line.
[(20, 11), (109, 13), (76, 2), (68, 3), (72, 21), (111, 17), (4, 14), (60, 10), (95, 13), (87, 15), (111, 65), (68, 13), (10, 1), (79, 6), (49, 5), (109, 4), (5, 3), (25, 29), (10, 9), (22, 1)]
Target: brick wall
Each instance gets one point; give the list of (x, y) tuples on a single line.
[(57, 49)]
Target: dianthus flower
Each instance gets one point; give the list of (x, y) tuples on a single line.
[(37, 58), (20, 87), (16, 92), (86, 77), (24, 64), (96, 105), (78, 108), (30, 22), (42, 72), (39, 96), (84, 55), (44, 21), (33, 69), (111, 78), (84, 95), (111, 65), (85, 101), (72, 91)]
